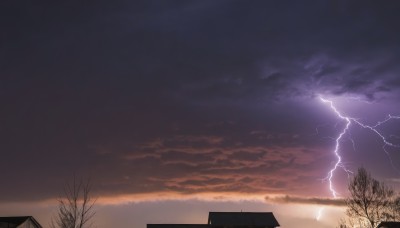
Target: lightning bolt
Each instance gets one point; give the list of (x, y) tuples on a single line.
[(319, 214), (349, 121), (337, 146)]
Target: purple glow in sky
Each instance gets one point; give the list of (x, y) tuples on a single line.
[(338, 141), (196, 106)]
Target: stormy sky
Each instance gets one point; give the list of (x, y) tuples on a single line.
[(165, 103)]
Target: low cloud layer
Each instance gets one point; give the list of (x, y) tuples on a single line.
[(306, 200)]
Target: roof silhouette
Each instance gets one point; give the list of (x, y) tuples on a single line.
[(389, 225), (178, 226), (265, 219), (230, 220), (17, 220)]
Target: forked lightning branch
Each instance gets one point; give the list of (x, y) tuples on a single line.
[(349, 121)]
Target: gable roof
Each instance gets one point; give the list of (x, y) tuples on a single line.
[(18, 220), (389, 225), (243, 218)]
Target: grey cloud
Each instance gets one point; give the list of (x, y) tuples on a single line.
[(307, 200), (211, 167), (246, 156)]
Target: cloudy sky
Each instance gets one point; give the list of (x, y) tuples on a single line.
[(177, 108)]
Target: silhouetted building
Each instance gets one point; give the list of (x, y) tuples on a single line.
[(230, 220), (242, 219), (178, 226), (389, 225), (19, 222)]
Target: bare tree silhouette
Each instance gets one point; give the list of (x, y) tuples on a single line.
[(76, 208), (370, 200)]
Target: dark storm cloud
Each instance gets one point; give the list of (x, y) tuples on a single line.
[(152, 95), (174, 166), (304, 200)]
